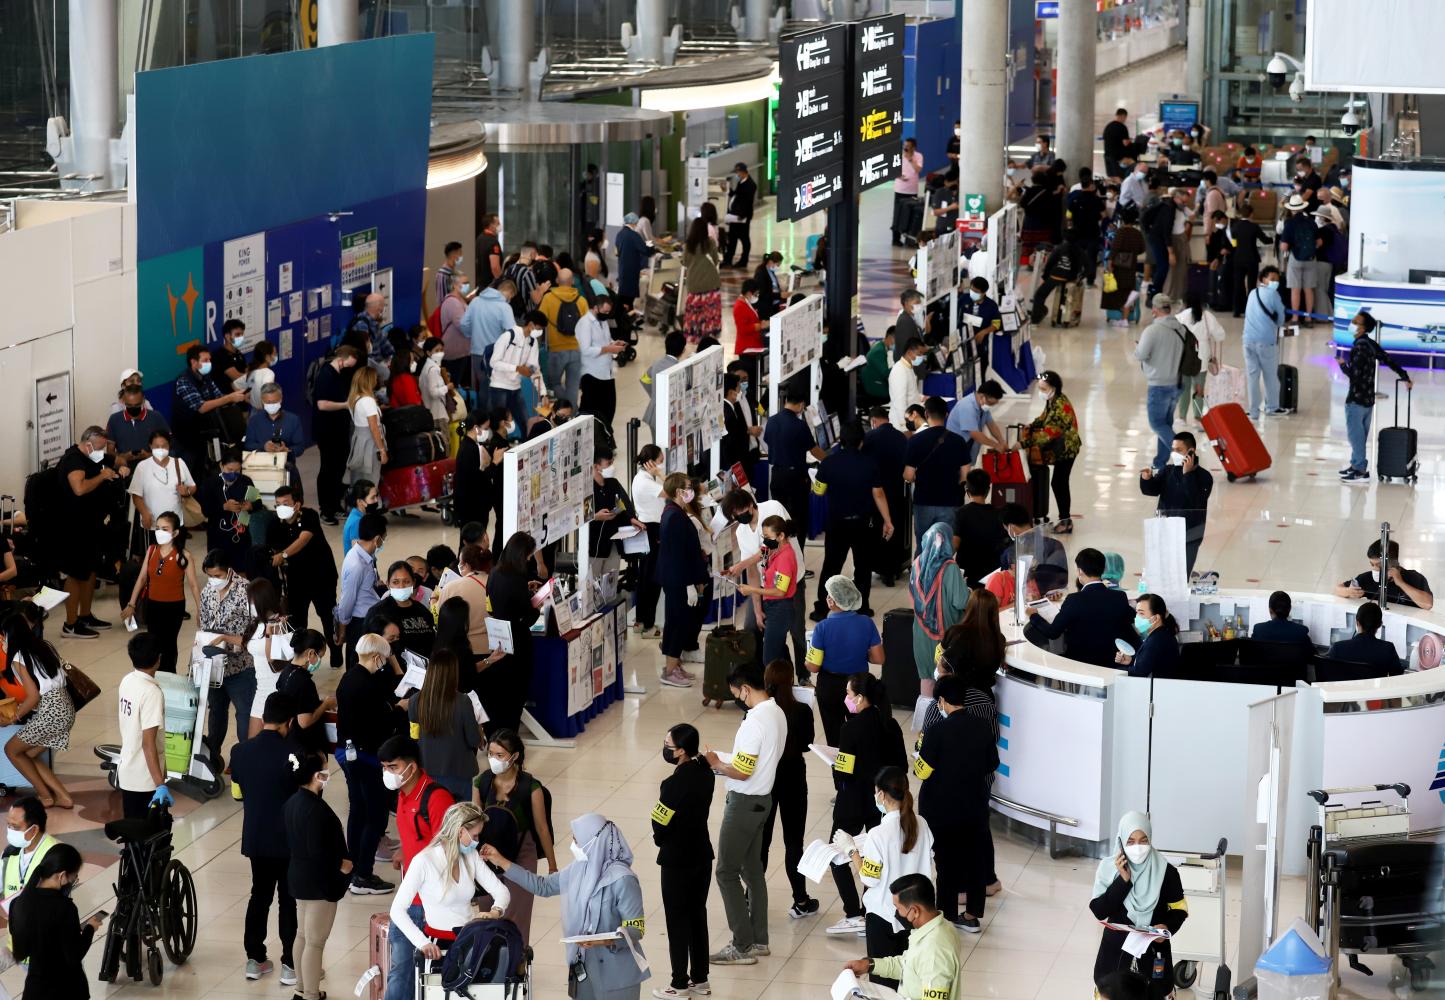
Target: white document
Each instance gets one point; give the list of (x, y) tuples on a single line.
[(1136, 943), (817, 856), (589, 938), (848, 364), (478, 712), (1046, 608), (920, 711), (625, 532), (499, 635), (803, 695), (636, 545), (273, 315), (48, 598), (828, 755), (415, 675), (973, 320), (449, 575), (844, 986), (1164, 563)]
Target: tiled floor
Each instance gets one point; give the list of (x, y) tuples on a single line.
[(1296, 527)]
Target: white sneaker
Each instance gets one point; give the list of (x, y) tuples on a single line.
[(848, 925), (668, 993), (700, 989)]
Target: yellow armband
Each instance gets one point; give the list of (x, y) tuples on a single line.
[(819, 487), (922, 770), (744, 763), (814, 657), (236, 790), (415, 730), (661, 815), (869, 868), (936, 993), (639, 924), (1180, 904), (844, 763), (489, 604), (781, 581)]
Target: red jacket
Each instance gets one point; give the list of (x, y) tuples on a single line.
[(745, 319)]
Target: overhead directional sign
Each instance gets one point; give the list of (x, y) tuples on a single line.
[(878, 99), (813, 127)]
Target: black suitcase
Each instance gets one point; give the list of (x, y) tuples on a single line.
[(1289, 388), (726, 649), (416, 449), (405, 421), (1396, 457), (1390, 897), (1198, 280), (900, 674), (1221, 296)]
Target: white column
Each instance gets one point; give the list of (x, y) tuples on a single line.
[(94, 83), (1074, 113), (651, 28), (338, 21), (755, 19), (1194, 49), (983, 98), (515, 24)]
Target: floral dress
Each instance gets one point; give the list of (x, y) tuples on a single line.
[(1053, 435)]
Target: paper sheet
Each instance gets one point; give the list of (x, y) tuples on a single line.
[(843, 986), (585, 938), (499, 635), (415, 675), (1137, 943), (48, 598), (817, 856), (636, 545), (625, 532), (920, 710), (478, 712), (1047, 609), (828, 755), (804, 695), (848, 364), (448, 576)]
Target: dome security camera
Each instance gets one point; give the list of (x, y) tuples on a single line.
[(1349, 122), (1297, 88), (1278, 71)]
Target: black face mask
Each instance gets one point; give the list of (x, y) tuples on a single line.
[(374, 508), (912, 425), (770, 543), (903, 918), (746, 517), (134, 411), (669, 754)]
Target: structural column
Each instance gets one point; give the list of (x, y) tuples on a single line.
[(651, 28), (755, 19), (1194, 49), (515, 24), (94, 84), (1074, 112), (983, 99), (337, 22)]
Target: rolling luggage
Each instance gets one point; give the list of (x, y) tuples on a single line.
[(726, 647), (1070, 304), (1010, 483), (1396, 457), (379, 953), (416, 449), (900, 674), (1386, 897), (1289, 388), (405, 421), (1224, 386), (1221, 297), (1199, 280), (1235, 441), (417, 484)]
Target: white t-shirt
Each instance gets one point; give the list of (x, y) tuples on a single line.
[(156, 484), (254, 382), (647, 495), (883, 861), (758, 747), (44, 685), (365, 407), (142, 707), (750, 536)]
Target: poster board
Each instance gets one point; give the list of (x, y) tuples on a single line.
[(546, 480), (937, 267), (795, 342), (690, 409), (54, 424), (1003, 244)]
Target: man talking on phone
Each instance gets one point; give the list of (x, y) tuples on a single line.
[(1183, 490)]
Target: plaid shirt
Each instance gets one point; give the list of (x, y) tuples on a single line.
[(194, 390), (1360, 364)]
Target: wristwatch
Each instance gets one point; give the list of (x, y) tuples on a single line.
[(870, 966)]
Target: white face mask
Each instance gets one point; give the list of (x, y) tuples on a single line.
[(400, 594), (164, 537), (916, 312), (497, 765), (97, 456), (1137, 853), (577, 852), (609, 473), (217, 582), (160, 454), (1175, 458), (882, 806), (459, 262), (1375, 574), (15, 838), (271, 408), (392, 780), (284, 512)]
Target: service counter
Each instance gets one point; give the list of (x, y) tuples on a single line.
[(1089, 743)]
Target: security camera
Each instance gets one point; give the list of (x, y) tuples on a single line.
[(1297, 88), (1277, 70), (1349, 122)]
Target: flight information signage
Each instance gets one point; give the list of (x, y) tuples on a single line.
[(877, 100), (813, 128)]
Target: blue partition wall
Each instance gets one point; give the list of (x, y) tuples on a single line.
[(284, 156)]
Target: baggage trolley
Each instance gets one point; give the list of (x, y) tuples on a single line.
[(1201, 939), (187, 757), (661, 307), (1370, 889), (428, 982)]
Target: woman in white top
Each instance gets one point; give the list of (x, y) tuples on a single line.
[(1210, 333), (258, 373), (900, 845), (368, 439), (446, 875), (50, 710), (434, 385), (268, 625), (160, 481), (648, 500)]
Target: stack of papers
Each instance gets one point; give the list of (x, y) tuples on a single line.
[(828, 755), (817, 856)]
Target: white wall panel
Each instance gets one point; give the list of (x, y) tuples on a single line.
[(1390, 46), (35, 281)]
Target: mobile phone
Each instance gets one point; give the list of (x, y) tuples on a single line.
[(100, 915)]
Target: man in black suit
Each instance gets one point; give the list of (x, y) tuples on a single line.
[(1363, 647), (1279, 628), (1091, 619), (885, 445), (740, 213), (1242, 238)]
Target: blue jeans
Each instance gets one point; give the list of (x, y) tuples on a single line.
[(926, 516), (237, 691), (511, 399), (399, 979), (564, 375), (1160, 407), (1357, 426), (1261, 360), (1159, 254)]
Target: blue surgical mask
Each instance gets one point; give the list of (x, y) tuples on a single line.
[(467, 848), (1141, 625), (205, 368), (1271, 284), (976, 296), (743, 388), (229, 477), (917, 361)]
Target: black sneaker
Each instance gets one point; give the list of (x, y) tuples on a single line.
[(79, 630), (370, 885), (803, 908), (969, 925), (329, 519), (93, 622)]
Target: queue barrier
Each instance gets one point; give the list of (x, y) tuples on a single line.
[(1051, 837)]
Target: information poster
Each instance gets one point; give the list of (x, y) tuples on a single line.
[(690, 400), (795, 341), (53, 430), (243, 280), (545, 482), (358, 257), (938, 267)]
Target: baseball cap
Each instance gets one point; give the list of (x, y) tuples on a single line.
[(1161, 301), (128, 373)]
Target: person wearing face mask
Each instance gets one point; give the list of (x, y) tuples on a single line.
[(159, 481), (684, 855), (85, 503), (273, 429), (228, 359), (741, 431), (770, 288), (435, 393), (971, 421), (456, 345), (930, 968), (647, 495), (476, 481), (362, 498), (506, 785), (445, 876), (166, 574), (259, 373), (225, 614), (1052, 442), (910, 323), (600, 894), (1405, 586), (304, 555), (320, 866), (224, 501), (980, 315), (1139, 888), (399, 605), (904, 381), (869, 740), (1361, 366), (781, 577), (365, 719), (261, 779), (1183, 490), (359, 581), (1090, 619), (683, 576), (201, 411), (598, 352), (610, 510), (297, 657), (739, 217), (29, 844), (873, 378), (790, 441), (131, 424), (452, 260), (748, 323), (330, 389), (1158, 652), (514, 359), (443, 721), (48, 933)]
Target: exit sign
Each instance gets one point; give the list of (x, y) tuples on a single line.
[(1046, 9)]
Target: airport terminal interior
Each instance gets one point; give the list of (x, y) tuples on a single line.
[(172, 165)]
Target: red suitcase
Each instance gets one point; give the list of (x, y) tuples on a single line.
[(379, 953), (1235, 441), (1010, 482), (416, 484)]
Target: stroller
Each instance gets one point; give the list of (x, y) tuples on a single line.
[(155, 900)]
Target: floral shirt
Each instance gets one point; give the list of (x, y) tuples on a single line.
[(1057, 423), (228, 611)]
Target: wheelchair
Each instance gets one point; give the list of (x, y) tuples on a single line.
[(155, 901)]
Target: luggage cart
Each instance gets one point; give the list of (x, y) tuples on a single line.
[(201, 771), (1371, 889), (661, 309), (1201, 939)]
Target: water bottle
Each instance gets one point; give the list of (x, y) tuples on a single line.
[(350, 752)]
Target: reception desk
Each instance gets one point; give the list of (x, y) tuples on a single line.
[(1089, 743)]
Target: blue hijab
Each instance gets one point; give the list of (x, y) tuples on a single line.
[(925, 583)]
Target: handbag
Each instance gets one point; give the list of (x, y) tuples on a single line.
[(1111, 283), (191, 514), (79, 686)]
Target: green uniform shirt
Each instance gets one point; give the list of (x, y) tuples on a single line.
[(929, 969)]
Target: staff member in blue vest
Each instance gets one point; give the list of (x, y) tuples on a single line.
[(790, 441), (853, 486), (843, 644), (981, 319)]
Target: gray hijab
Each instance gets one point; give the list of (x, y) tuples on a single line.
[(608, 859)]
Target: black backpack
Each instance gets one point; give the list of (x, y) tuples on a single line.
[(487, 953), (312, 371), (568, 313), (484, 788), (1190, 363)]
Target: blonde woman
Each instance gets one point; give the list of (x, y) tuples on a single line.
[(446, 875), (368, 439)]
